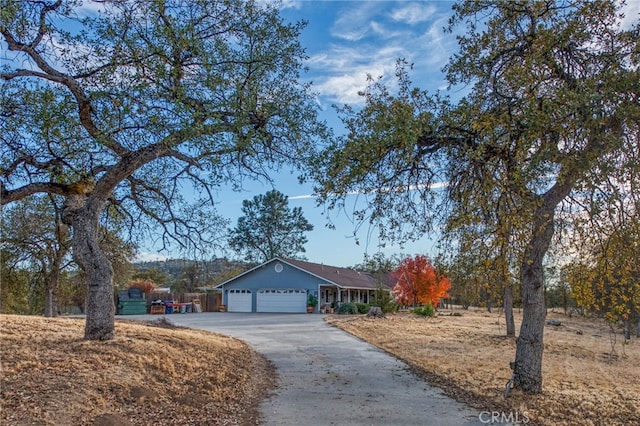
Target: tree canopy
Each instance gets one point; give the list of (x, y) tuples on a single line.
[(33, 231), (269, 228), (418, 281), (551, 109), (125, 109)]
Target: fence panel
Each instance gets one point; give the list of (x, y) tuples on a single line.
[(210, 302)]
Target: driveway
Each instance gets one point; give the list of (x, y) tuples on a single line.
[(328, 377)]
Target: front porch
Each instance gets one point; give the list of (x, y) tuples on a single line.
[(331, 297)]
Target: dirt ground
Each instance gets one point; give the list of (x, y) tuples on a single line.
[(586, 379), (153, 373), (150, 374)]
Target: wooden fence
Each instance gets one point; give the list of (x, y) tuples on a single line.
[(210, 302)]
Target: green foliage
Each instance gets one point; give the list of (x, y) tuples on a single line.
[(312, 301), (363, 308), (190, 278), (379, 264), (559, 296), (269, 228), (348, 309), (14, 295), (155, 275), (425, 310), (383, 299), (72, 292)]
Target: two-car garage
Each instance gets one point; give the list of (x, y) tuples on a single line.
[(267, 300), (281, 300)]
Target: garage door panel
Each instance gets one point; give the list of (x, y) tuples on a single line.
[(281, 300), (239, 300)]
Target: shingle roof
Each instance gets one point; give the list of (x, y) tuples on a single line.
[(344, 277)]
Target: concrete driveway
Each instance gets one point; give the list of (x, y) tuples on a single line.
[(328, 377)]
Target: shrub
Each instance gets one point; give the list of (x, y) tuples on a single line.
[(363, 308), (312, 301), (383, 299), (426, 310), (348, 309)]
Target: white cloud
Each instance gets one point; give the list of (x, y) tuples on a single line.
[(345, 70), (413, 13), (433, 186), (369, 37), (631, 13), (284, 4), (354, 23), (90, 8)]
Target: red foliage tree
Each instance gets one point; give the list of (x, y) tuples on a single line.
[(417, 281), (146, 285)]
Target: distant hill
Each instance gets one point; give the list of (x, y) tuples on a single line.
[(187, 275)]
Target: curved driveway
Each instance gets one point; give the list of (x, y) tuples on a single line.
[(329, 377)]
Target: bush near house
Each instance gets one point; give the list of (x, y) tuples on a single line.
[(426, 310), (383, 299), (348, 309), (363, 308)]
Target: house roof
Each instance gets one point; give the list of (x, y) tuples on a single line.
[(341, 277)]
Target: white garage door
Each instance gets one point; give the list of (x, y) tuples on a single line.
[(239, 300), (282, 300)]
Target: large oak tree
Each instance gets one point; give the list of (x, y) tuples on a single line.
[(552, 107), (126, 107)]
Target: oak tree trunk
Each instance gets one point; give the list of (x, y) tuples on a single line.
[(53, 283), (527, 373), (627, 329), (527, 367), (51, 292), (99, 305), (508, 310)]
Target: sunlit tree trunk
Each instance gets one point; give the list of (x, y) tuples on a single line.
[(508, 310), (50, 296), (99, 304), (53, 278), (527, 368)]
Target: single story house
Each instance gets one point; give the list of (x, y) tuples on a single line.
[(284, 285)]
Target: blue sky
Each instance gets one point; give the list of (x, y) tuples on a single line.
[(345, 41)]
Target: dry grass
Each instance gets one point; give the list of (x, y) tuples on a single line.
[(145, 376), (468, 357)]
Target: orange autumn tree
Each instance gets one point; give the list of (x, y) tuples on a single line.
[(146, 285), (417, 281)]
